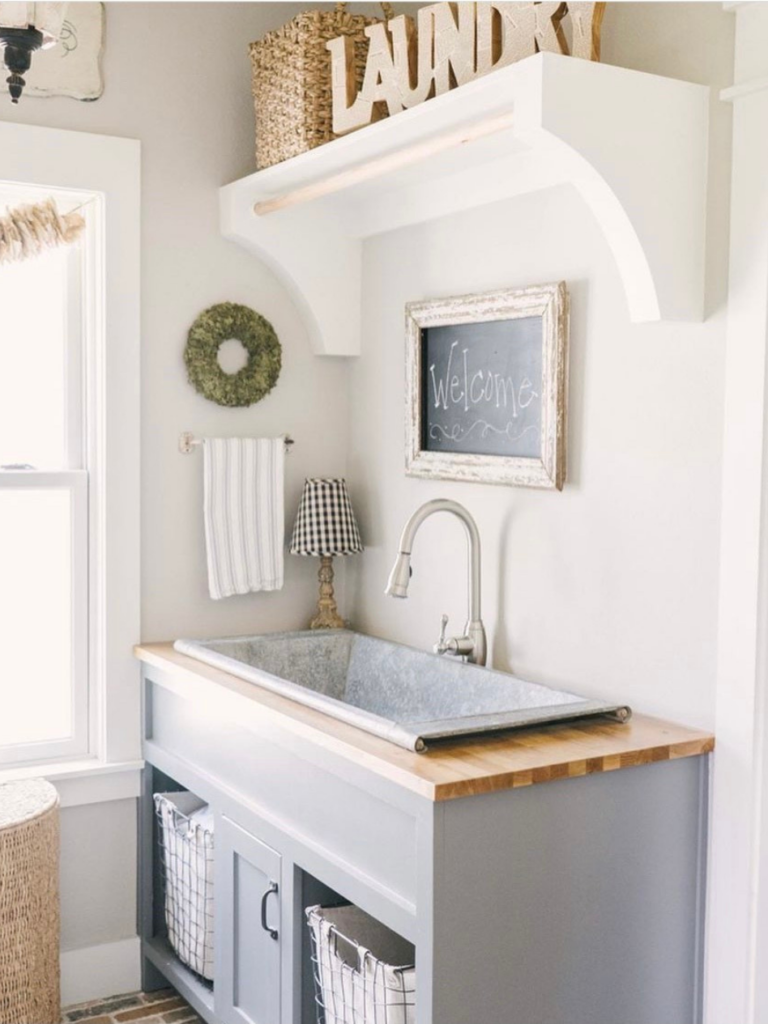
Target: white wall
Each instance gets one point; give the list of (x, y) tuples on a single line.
[(178, 79), (611, 586)]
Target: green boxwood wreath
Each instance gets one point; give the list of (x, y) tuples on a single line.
[(218, 324)]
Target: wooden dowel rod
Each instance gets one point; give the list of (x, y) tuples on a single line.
[(383, 165)]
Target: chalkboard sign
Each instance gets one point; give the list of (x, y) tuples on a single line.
[(487, 387), (481, 388)]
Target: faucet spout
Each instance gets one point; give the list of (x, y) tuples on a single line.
[(400, 577), (473, 644)]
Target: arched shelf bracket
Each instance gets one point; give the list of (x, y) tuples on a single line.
[(634, 146)]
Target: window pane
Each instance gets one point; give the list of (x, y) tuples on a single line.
[(35, 615), (33, 310)]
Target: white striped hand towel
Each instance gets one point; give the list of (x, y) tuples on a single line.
[(244, 518)]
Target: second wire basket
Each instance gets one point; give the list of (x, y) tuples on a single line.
[(364, 973)]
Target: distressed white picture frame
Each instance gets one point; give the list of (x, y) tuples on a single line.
[(548, 301), (73, 67)]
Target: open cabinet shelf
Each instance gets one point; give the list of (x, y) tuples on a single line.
[(197, 993), (632, 145)]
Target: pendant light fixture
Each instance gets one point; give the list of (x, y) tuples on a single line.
[(25, 28)]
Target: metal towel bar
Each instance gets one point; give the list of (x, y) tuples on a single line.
[(188, 442)]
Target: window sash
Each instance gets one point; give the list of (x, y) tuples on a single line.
[(75, 482)]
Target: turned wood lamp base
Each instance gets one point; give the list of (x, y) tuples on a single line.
[(327, 616), (325, 526)]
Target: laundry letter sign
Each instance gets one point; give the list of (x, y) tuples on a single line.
[(448, 45)]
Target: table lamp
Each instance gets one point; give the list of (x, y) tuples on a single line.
[(325, 526)]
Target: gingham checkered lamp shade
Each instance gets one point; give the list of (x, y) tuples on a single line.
[(325, 523)]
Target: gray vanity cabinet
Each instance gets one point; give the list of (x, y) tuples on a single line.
[(248, 927), (530, 897)]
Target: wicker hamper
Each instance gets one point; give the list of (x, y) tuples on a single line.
[(292, 81), (29, 903)]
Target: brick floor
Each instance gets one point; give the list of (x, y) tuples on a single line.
[(163, 1007)]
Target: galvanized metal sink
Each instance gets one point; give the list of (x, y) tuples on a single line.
[(404, 695)]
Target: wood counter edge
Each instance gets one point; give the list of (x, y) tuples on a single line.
[(523, 758)]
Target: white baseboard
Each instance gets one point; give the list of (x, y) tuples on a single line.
[(97, 971)]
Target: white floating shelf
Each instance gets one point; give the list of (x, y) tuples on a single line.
[(633, 145)]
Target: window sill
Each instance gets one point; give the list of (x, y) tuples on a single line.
[(88, 781)]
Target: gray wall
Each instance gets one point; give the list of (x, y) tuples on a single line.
[(178, 79), (610, 587), (98, 867)]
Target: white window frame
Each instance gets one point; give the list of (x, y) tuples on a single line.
[(108, 170)]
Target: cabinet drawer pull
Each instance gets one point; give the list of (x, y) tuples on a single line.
[(267, 893)]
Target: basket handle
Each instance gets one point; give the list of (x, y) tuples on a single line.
[(341, 6)]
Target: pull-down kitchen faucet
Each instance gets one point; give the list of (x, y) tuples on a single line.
[(472, 645)]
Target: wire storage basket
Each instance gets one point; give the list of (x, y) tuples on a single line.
[(364, 973), (185, 831)]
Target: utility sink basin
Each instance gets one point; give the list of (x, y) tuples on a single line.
[(406, 696)]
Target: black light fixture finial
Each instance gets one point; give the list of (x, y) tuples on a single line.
[(25, 28), (18, 46)]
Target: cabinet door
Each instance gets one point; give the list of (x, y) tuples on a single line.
[(248, 928)]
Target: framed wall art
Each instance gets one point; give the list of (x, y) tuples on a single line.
[(72, 67), (487, 381)]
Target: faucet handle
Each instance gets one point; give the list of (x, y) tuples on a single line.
[(460, 646), (443, 627), (442, 644)]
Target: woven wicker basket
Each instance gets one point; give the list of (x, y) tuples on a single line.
[(29, 903), (291, 71)]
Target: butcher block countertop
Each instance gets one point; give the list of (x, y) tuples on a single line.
[(523, 758)]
